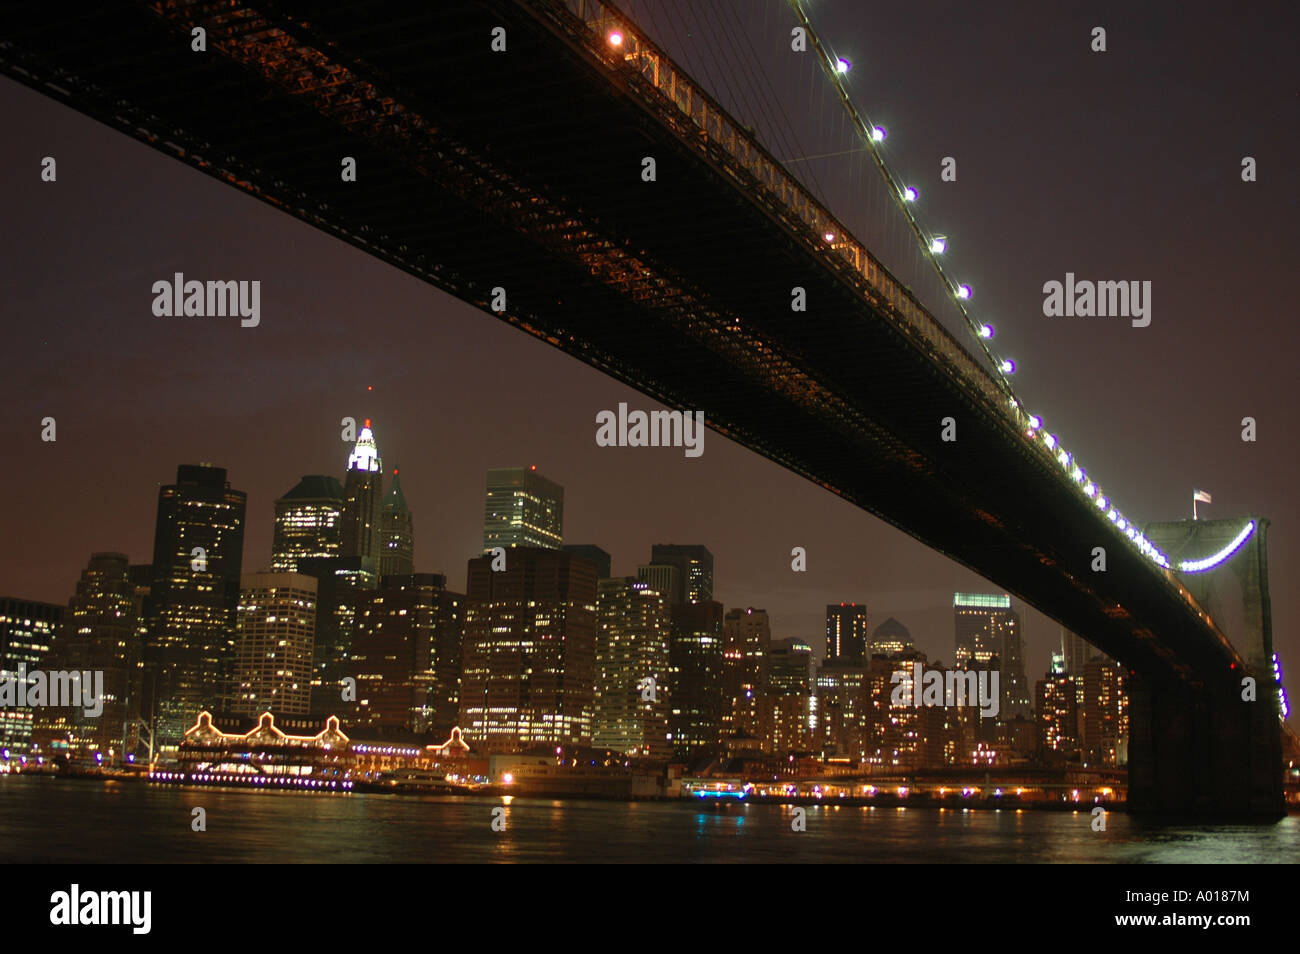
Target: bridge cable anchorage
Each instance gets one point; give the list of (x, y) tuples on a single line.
[(835, 68)]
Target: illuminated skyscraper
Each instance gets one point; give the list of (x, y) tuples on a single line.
[(632, 646), (747, 638), (275, 630), (406, 653), (987, 627), (198, 549), (1104, 715), (695, 568), (696, 699), (664, 579), (530, 651), (99, 633), (846, 632), (397, 556), (340, 581), (1057, 713), (27, 630), (843, 710), (787, 705), (363, 489), (522, 509), (308, 523)]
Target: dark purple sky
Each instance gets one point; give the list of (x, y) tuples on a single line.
[(1117, 165)]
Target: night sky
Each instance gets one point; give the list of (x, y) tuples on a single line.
[(1123, 165)]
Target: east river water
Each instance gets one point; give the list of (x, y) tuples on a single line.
[(56, 820)]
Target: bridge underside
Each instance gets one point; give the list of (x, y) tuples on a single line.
[(522, 170)]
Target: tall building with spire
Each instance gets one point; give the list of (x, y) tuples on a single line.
[(363, 499), (308, 523), (397, 533)]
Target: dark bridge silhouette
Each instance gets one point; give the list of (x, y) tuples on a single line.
[(522, 170)]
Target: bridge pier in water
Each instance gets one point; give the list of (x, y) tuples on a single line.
[(1201, 751)]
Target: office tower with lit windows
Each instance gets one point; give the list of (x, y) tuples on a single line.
[(406, 654), (308, 523), (846, 632), (906, 736), (633, 666), (598, 556), (397, 533), (522, 509), (694, 565), (747, 638), (363, 499), (197, 555), (1104, 715), (340, 581), (788, 700), (1057, 713), (890, 637), (99, 633), (843, 710), (987, 627), (530, 651), (275, 627), (664, 579), (27, 629), (696, 699)]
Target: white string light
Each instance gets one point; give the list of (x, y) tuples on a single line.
[(835, 68)]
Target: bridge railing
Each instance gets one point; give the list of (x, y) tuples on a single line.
[(613, 37)]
